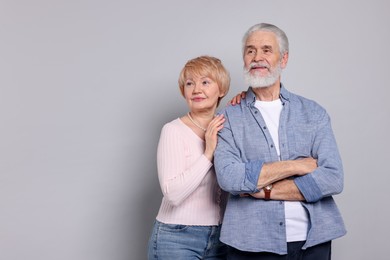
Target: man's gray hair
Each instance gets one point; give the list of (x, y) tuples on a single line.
[(280, 36)]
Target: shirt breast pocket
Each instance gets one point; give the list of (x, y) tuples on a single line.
[(301, 141)]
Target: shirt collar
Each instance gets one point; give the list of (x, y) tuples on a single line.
[(251, 97)]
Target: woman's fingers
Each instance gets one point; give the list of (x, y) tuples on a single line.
[(217, 122)]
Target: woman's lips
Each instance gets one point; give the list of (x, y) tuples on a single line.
[(197, 99)]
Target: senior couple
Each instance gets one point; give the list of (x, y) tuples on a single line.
[(255, 181)]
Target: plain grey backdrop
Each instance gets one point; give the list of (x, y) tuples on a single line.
[(86, 86)]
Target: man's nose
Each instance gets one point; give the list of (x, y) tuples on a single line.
[(258, 57)]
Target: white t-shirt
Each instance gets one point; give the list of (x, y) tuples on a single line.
[(295, 214)]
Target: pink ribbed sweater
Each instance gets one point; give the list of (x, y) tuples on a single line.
[(187, 179)]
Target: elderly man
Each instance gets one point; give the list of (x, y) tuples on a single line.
[(278, 158)]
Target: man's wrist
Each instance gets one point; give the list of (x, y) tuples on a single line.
[(267, 192)]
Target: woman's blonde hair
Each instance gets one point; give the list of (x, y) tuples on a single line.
[(206, 66)]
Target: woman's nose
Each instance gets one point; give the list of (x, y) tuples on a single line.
[(197, 88)]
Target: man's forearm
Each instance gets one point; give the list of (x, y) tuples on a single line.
[(276, 171), (282, 190), (286, 190)]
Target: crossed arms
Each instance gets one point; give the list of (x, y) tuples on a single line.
[(278, 174), (240, 169)]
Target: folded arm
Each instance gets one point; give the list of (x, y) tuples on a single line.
[(276, 171), (238, 177), (281, 190), (324, 180), (328, 178)]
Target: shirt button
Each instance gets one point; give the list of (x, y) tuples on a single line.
[(272, 146), (280, 202), (264, 127), (255, 111), (281, 223)]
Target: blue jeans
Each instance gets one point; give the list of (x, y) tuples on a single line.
[(183, 242)]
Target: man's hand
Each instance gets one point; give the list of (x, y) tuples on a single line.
[(307, 165)]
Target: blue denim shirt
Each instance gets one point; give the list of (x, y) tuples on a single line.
[(244, 145)]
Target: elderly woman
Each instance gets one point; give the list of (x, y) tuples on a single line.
[(188, 223)]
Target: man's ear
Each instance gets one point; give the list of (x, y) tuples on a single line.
[(283, 62)]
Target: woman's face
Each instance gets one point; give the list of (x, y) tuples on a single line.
[(201, 93)]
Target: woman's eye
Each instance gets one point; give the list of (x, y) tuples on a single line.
[(189, 84), (206, 82)]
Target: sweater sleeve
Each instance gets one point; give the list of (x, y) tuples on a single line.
[(178, 172)]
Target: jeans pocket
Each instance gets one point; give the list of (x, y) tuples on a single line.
[(172, 227)]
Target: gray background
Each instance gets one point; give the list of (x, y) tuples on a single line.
[(86, 86)]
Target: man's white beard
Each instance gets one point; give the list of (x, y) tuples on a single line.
[(257, 81)]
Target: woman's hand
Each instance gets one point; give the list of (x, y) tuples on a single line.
[(237, 99), (211, 135)]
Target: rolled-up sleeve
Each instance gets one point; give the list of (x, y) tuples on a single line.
[(328, 178), (233, 174)]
